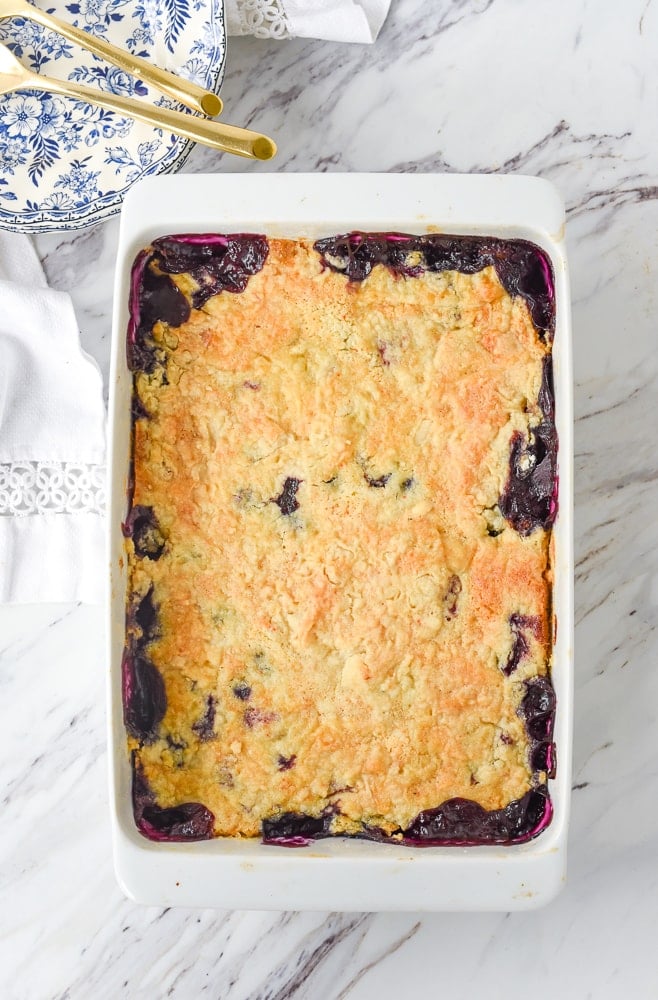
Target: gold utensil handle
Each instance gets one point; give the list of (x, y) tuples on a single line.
[(229, 138), (187, 93)]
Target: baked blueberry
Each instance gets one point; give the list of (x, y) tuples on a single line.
[(287, 498), (525, 270), (145, 616), (538, 708), (161, 301), (462, 821), (529, 500), (154, 298), (292, 826), (187, 821), (350, 255), (204, 727), (142, 526), (378, 482), (467, 254), (451, 597), (543, 758), (216, 263), (137, 409), (520, 626), (144, 696), (547, 391)]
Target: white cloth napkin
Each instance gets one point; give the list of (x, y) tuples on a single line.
[(332, 20), (52, 442)]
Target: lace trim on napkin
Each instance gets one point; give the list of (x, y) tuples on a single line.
[(262, 18), (51, 488)]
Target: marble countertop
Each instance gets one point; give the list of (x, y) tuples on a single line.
[(564, 90)]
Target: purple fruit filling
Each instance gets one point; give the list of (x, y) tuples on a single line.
[(154, 298), (538, 712), (142, 526), (189, 821), (464, 822), (529, 499), (287, 498), (217, 263), (204, 728), (457, 823), (355, 254), (145, 616), (144, 696), (242, 691), (538, 708), (285, 763), (137, 409), (543, 758), (520, 626), (547, 392), (185, 822), (523, 269), (296, 829), (451, 597), (380, 482)]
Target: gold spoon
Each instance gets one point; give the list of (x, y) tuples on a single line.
[(229, 138), (181, 90)]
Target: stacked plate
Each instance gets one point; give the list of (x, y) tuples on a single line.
[(64, 164)]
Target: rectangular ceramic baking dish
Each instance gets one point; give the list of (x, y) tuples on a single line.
[(340, 874)]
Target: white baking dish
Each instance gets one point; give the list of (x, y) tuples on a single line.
[(339, 874)]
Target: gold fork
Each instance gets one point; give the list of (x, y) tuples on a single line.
[(229, 138), (173, 86)]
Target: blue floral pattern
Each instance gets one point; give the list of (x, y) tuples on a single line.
[(65, 164)]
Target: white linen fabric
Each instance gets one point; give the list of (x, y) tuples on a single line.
[(332, 20), (52, 442)]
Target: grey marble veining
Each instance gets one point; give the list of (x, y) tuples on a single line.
[(565, 90)]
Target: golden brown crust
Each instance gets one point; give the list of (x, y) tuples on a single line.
[(371, 625)]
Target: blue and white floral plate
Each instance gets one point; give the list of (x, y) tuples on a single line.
[(65, 164)]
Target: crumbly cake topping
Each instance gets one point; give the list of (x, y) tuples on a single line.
[(338, 539)]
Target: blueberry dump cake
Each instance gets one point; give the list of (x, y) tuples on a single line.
[(344, 468)]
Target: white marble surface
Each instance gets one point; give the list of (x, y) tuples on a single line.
[(566, 89)]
